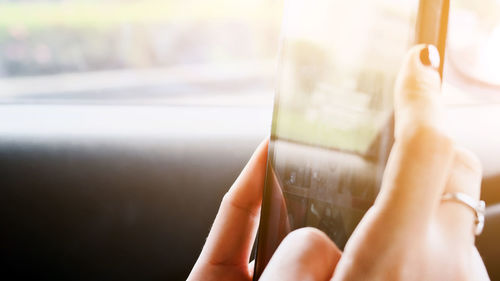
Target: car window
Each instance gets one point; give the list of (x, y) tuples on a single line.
[(137, 51), (192, 51)]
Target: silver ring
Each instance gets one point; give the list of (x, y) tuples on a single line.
[(478, 206)]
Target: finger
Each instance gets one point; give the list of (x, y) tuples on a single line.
[(421, 157), (305, 254), (231, 237), (466, 173), (465, 177), (417, 90)]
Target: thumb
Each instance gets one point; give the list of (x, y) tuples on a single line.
[(305, 254), (417, 90)]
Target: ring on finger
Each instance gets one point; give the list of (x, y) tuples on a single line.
[(478, 206)]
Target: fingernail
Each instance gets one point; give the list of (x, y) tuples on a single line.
[(429, 56)]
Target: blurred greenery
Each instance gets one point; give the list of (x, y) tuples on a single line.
[(45, 37), (109, 13), (294, 126)]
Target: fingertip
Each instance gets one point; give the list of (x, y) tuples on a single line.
[(417, 89), (258, 159), (247, 190), (262, 149), (419, 72)]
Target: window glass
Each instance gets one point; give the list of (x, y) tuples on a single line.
[(192, 51), (136, 50)]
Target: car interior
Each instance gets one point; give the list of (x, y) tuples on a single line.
[(123, 124)]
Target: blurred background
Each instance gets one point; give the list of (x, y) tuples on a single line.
[(472, 65), (173, 51), (139, 51)]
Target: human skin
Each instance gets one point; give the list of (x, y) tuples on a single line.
[(408, 234)]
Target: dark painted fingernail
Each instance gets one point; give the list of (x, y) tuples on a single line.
[(429, 56)]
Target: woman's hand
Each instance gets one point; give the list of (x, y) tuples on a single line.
[(409, 233), (227, 250)]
